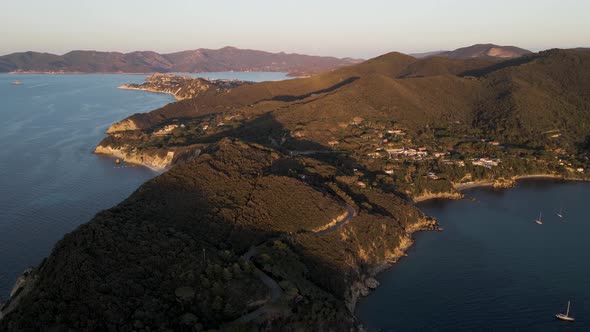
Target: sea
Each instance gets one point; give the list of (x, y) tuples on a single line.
[(50, 181), (492, 268)]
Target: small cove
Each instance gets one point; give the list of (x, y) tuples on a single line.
[(493, 268)]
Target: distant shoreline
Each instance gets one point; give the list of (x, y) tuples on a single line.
[(72, 73), (490, 183), (127, 87), (294, 75)]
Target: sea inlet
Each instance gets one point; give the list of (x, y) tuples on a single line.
[(492, 268)]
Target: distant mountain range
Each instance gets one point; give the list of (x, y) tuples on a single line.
[(210, 60), (199, 60), (485, 51)]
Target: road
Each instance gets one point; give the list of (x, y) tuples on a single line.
[(275, 290)]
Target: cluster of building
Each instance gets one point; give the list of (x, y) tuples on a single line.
[(486, 162), (166, 130), (420, 152)]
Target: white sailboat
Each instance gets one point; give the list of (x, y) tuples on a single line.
[(540, 219), (560, 214), (566, 317)]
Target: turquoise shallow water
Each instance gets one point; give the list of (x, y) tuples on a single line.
[(492, 268), (50, 182)]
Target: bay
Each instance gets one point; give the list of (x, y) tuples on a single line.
[(492, 268)]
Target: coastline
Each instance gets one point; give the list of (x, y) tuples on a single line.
[(498, 184), (288, 74), (407, 241), (74, 73), (127, 87), (368, 282)]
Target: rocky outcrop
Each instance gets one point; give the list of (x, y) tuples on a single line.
[(122, 125), (504, 183), (157, 160), (23, 285), (426, 195), (367, 281)]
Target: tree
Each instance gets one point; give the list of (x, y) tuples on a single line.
[(217, 304), (227, 276)]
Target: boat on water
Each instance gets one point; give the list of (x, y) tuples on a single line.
[(560, 214), (17, 83), (540, 219), (565, 317)]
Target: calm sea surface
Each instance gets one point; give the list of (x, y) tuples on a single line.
[(493, 268), (50, 182)]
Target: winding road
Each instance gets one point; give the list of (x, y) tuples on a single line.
[(275, 290)]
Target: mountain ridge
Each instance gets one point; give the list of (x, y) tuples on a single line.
[(484, 51), (198, 60)]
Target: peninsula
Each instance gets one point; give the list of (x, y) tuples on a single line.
[(184, 87), (302, 191)]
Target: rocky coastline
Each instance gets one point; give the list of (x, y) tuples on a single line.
[(23, 285), (156, 160), (368, 281), (500, 183), (183, 87)]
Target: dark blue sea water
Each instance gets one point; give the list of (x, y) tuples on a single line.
[(492, 268), (50, 182)]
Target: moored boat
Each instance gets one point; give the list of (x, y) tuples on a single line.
[(565, 317), (560, 214), (540, 219)]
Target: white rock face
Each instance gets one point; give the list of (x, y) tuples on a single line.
[(123, 125), (501, 53), (151, 159)]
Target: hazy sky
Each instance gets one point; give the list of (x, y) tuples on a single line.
[(361, 28)]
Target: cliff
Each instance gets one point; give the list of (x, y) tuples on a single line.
[(157, 160)]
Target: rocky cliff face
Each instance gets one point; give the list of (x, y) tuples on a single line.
[(366, 281), (158, 160), (123, 125)]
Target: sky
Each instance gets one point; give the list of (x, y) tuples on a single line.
[(343, 28)]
